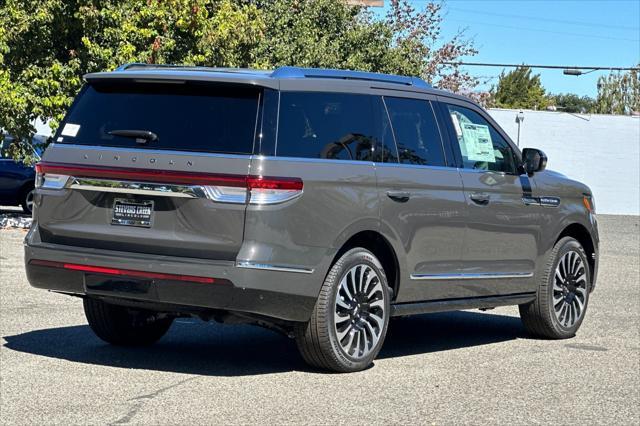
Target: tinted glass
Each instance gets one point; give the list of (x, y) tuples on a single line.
[(416, 131), (186, 117), (481, 146), (327, 125)]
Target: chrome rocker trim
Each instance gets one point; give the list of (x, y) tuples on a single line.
[(267, 267), (484, 276)]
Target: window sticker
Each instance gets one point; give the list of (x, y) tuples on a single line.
[(477, 142), (70, 130)]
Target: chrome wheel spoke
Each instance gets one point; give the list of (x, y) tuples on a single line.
[(341, 303), (345, 287), (340, 318)]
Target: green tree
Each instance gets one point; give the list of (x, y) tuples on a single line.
[(619, 93), (46, 46), (570, 102), (519, 89)]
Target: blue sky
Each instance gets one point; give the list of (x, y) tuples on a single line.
[(581, 33)]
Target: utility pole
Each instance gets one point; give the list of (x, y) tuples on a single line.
[(519, 120)]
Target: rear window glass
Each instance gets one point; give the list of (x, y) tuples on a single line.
[(334, 126), (416, 131), (185, 117)]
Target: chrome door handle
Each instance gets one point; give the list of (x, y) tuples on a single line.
[(399, 196), (480, 198)]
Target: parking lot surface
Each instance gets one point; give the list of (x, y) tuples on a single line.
[(466, 367)]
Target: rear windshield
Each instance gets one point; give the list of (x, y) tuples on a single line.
[(184, 117)]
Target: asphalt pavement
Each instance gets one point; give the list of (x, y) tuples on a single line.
[(467, 367)]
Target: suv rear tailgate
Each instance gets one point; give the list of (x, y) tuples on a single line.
[(181, 193)]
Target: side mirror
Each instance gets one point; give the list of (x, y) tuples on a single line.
[(533, 160)]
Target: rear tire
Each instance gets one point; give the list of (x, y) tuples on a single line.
[(121, 326), (349, 322), (563, 293)]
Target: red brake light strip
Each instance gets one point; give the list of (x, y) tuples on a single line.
[(170, 176), (123, 272)]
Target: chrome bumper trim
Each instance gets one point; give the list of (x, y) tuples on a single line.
[(267, 267), (486, 276)]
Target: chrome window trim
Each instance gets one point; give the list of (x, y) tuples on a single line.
[(264, 266), (476, 276)]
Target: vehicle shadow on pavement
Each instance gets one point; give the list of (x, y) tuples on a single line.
[(195, 347), (447, 331)]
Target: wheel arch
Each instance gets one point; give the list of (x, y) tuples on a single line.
[(583, 236), (377, 244)]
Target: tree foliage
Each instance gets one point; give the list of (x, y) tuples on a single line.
[(619, 93), (519, 89), (570, 102), (46, 46)]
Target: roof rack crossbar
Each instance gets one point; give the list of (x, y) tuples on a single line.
[(297, 72)]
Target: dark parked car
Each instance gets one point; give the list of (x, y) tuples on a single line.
[(16, 178), (319, 203)]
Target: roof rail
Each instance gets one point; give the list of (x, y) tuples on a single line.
[(297, 72), (125, 67), (134, 65)]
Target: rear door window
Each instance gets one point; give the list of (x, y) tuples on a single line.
[(185, 117), (416, 131), (334, 126)]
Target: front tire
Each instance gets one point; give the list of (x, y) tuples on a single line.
[(563, 293), (349, 322), (121, 326)]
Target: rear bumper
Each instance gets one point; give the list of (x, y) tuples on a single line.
[(165, 282)]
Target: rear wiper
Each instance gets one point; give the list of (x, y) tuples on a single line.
[(141, 136)]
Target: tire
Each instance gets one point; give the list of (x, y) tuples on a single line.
[(563, 288), (121, 326), (346, 331), (27, 201)]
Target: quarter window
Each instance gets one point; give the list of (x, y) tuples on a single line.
[(481, 146), (416, 131), (327, 125)]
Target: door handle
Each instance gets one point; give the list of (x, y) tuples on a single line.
[(399, 196), (480, 198)]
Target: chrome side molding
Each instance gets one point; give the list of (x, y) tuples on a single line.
[(477, 276), (268, 267)]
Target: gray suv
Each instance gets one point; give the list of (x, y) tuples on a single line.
[(319, 203)]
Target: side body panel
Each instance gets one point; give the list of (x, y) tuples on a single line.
[(303, 235)]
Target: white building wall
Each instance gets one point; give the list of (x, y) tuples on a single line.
[(602, 151)]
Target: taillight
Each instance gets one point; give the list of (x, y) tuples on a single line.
[(47, 180), (222, 188), (269, 190)]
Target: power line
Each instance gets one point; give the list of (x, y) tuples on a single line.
[(562, 67), (538, 30), (539, 18)]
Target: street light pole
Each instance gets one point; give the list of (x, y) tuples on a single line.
[(519, 120)]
